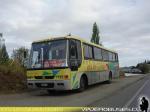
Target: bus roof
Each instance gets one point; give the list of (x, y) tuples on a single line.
[(72, 37)]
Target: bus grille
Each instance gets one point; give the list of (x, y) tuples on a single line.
[(48, 85)]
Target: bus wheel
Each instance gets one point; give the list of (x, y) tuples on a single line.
[(110, 78), (83, 84)]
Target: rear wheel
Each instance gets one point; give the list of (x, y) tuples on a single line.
[(110, 78), (83, 84)]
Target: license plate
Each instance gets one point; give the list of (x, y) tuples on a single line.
[(44, 85)]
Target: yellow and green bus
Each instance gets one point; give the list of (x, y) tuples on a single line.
[(68, 63)]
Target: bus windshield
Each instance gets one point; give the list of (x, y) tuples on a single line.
[(48, 54)]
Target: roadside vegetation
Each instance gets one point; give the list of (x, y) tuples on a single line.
[(12, 71), (144, 66), (121, 74)]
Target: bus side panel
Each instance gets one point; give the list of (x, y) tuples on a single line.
[(114, 68), (75, 79), (96, 71)]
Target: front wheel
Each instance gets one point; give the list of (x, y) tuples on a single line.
[(82, 84)]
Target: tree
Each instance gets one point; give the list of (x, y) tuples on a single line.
[(95, 36), (20, 55), (4, 57), (144, 67)]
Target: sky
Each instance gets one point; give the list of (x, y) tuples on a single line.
[(124, 24)]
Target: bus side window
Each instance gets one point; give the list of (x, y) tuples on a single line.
[(73, 49), (88, 51), (75, 52), (113, 56), (105, 55), (97, 53), (79, 51), (116, 57)]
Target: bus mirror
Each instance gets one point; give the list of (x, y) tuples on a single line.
[(25, 54)]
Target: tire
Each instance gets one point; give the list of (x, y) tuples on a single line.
[(83, 84), (110, 78)]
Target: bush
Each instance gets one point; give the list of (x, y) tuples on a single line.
[(121, 73), (12, 76), (145, 68)]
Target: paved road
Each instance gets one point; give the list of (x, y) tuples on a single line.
[(129, 97), (120, 93)]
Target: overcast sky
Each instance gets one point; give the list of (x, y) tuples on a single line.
[(124, 24)]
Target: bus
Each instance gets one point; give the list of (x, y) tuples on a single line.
[(69, 63)]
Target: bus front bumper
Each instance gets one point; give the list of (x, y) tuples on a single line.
[(49, 84)]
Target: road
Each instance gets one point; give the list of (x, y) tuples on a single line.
[(130, 96), (124, 92)]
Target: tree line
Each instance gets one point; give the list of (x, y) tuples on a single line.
[(18, 55), (144, 66)]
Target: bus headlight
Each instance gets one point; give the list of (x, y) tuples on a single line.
[(65, 76), (62, 77)]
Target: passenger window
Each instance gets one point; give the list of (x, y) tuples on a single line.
[(88, 52), (97, 53), (79, 51), (110, 56), (113, 56), (105, 55), (116, 57)]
